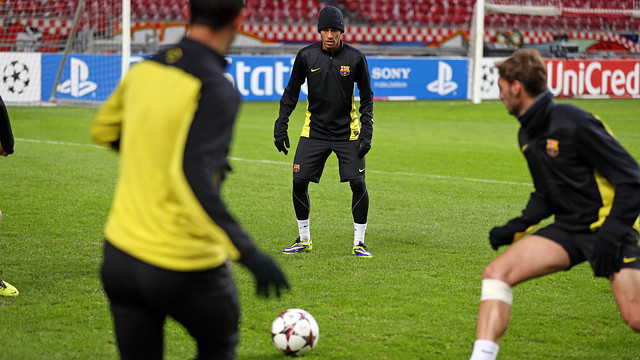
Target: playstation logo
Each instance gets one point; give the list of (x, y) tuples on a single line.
[(443, 84), (78, 85)]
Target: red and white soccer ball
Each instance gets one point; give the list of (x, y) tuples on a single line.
[(295, 332)]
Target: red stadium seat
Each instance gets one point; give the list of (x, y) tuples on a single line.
[(352, 6), (15, 28), (8, 41), (50, 43)]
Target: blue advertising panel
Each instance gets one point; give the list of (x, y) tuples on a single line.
[(419, 78), (261, 77), (84, 77), (264, 78)]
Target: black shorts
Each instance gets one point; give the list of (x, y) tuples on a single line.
[(141, 296), (312, 154), (580, 246)]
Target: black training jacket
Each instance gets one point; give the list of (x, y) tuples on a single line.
[(172, 120), (331, 109), (581, 174), (6, 135)]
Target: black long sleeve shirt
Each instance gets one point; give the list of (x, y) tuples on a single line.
[(172, 120), (331, 79), (6, 135), (581, 173)]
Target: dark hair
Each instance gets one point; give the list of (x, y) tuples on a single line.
[(215, 14), (527, 67)]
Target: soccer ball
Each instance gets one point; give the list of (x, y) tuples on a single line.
[(295, 332)]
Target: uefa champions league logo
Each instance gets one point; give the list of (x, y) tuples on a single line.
[(15, 77), (489, 78)]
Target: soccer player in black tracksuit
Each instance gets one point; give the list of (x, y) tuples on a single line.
[(331, 69), (169, 234), (6, 148), (584, 177)]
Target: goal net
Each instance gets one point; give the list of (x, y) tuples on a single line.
[(596, 17), (61, 50)]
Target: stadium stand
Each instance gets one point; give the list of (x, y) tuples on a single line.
[(442, 13), (53, 17)]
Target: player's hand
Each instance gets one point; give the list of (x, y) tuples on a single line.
[(364, 147), (501, 235), (507, 234), (266, 273), (605, 260), (282, 142)]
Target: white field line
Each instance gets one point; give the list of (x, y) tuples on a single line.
[(56, 142), (399, 173), (444, 177)]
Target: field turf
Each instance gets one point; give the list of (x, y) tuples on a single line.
[(440, 175)]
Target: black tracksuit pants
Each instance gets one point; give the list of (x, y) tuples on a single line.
[(142, 296)]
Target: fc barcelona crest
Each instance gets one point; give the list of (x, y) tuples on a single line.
[(296, 168), (345, 70), (553, 148)]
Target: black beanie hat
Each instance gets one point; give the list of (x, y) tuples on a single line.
[(330, 17)]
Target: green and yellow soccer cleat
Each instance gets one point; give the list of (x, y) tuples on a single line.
[(7, 289), (361, 250), (298, 246)]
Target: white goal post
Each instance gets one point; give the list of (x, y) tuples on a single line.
[(59, 51), (126, 43), (546, 8), (536, 7)]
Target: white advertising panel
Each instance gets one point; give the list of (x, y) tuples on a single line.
[(20, 76)]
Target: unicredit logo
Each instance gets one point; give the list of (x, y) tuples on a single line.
[(78, 85), (443, 84), (577, 78)]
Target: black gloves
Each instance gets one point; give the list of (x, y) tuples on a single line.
[(605, 260), (364, 147), (507, 234), (366, 133), (266, 273), (282, 142)]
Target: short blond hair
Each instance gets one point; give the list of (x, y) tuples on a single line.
[(527, 67)]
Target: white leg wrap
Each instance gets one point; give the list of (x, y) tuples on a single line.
[(493, 289)]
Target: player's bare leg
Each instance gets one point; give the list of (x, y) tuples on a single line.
[(625, 286), (531, 257)]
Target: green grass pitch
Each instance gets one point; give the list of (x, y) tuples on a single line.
[(440, 175)]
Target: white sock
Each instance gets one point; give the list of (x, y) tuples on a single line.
[(303, 230), (484, 350), (358, 233)]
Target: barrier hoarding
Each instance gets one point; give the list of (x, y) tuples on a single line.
[(261, 77), (93, 77), (29, 77), (614, 78), (84, 77), (577, 78), (419, 78), (21, 73), (265, 78)]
